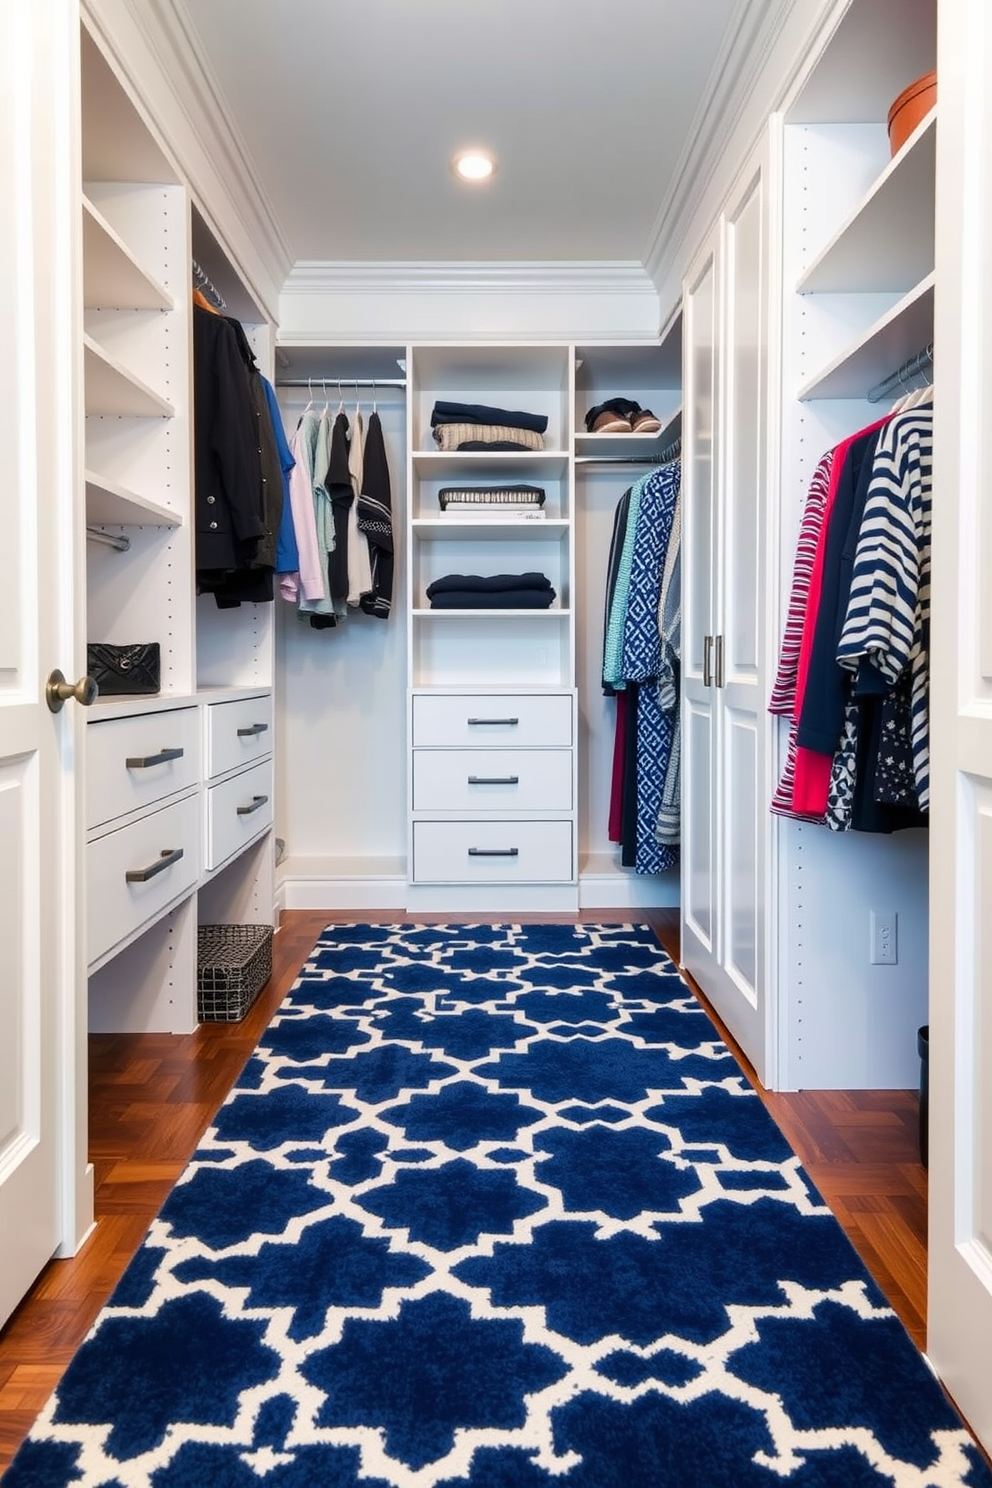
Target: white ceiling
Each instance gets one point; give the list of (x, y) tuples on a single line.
[(350, 113)]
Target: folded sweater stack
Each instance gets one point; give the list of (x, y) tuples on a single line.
[(476, 426), (526, 591)]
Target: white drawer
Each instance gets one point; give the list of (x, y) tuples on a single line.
[(237, 810), (492, 779), (118, 905), (237, 734), (492, 852), (133, 762), (456, 722)]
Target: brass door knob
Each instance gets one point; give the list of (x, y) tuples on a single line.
[(59, 691)]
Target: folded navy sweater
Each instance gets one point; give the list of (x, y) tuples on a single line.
[(490, 584), (479, 413), (505, 599)]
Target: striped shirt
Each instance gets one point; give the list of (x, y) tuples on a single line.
[(888, 612)]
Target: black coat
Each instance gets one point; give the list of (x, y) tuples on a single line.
[(227, 471)]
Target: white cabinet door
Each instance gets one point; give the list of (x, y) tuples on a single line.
[(39, 966), (726, 475), (959, 1314)]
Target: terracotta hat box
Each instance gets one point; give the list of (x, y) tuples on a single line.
[(912, 105)]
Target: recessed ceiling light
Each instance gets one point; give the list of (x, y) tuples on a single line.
[(475, 165)]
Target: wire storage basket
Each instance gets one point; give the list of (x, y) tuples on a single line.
[(233, 964)]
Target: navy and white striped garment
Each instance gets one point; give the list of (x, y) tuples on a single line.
[(888, 612)]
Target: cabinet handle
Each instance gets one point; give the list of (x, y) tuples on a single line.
[(145, 761), (166, 858), (719, 661), (494, 780), (494, 852), (256, 803), (707, 661), (256, 728), (510, 722)]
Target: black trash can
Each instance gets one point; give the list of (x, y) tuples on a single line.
[(923, 1047)]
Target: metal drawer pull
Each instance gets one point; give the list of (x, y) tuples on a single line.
[(145, 761), (256, 728), (494, 852), (510, 722), (256, 802), (168, 856), (718, 648), (494, 780), (707, 661)]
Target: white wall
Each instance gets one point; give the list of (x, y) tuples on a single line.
[(341, 707)]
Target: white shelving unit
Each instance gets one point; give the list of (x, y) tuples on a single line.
[(178, 831), (858, 303), (648, 373), (492, 691)]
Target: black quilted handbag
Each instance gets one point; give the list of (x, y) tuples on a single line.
[(124, 669)]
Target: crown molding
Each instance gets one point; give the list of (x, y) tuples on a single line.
[(747, 45), (220, 158), (354, 277)]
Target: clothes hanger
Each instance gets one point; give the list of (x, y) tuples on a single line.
[(309, 396), (199, 298), (899, 406)]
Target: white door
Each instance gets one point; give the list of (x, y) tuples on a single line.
[(959, 1324), (38, 971), (702, 315), (726, 410)]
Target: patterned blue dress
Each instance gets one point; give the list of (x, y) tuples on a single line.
[(641, 661)]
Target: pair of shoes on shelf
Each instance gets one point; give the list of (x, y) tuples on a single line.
[(621, 416)]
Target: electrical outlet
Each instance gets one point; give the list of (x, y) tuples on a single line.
[(884, 945)]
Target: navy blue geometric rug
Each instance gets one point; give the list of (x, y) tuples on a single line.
[(494, 1206)]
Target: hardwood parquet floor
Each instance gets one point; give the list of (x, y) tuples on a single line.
[(153, 1095)]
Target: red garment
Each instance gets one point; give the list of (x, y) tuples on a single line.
[(619, 751), (812, 778), (783, 698)]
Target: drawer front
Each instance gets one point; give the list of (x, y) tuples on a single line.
[(492, 852), (237, 734), (492, 779), (237, 810), (467, 722), (133, 762), (148, 850)]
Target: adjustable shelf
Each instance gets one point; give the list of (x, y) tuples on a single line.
[(474, 464), (112, 389), (887, 242), (493, 529), (891, 340), (112, 504), (112, 276)]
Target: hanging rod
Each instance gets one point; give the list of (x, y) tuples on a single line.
[(910, 368), (207, 286), (109, 539), (344, 383)]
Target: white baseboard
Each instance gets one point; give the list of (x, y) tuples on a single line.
[(381, 883), (604, 884)]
